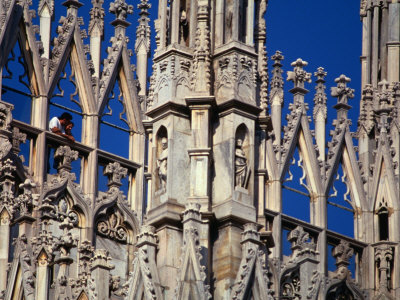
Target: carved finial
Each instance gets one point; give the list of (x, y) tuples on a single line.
[(299, 76), (25, 200), (192, 212), (17, 138), (299, 239), (276, 96), (65, 156), (49, 4), (143, 29), (72, 4), (277, 58), (320, 95), (342, 253), (97, 16), (342, 93), (120, 9), (115, 173)]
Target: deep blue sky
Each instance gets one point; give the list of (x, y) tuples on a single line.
[(325, 33)]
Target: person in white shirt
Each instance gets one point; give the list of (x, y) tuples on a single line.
[(59, 124)]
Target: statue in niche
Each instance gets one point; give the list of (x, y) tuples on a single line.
[(183, 27), (242, 170), (162, 164), (228, 21)]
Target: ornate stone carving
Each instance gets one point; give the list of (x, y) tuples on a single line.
[(236, 78), (384, 260), (46, 3), (65, 156), (366, 118), (112, 226), (320, 95), (299, 76), (64, 31), (301, 244), (96, 15), (28, 279), (252, 264), (17, 138), (120, 9), (290, 288), (24, 202), (277, 82), (242, 170), (191, 256), (115, 173), (43, 246), (201, 74), (143, 29), (5, 115), (342, 253), (7, 183), (363, 8), (341, 91), (101, 258)]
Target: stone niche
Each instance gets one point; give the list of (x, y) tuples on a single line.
[(234, 166), (171, 164)]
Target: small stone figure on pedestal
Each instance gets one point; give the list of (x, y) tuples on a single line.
[(242, 171), (162, 164)]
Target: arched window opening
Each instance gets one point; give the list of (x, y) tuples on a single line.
[(114, 123), (383, 223), (65, 98), (16, 86)]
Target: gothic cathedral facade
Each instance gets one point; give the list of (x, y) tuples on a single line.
[(194, 209)]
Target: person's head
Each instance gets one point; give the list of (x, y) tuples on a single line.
[(65, 118), (69, 126)]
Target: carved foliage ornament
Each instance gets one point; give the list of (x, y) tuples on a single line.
[(5, 115), (111, 226), (290, 287), (97, 15), (120, 9)]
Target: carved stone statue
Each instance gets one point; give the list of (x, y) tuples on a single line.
[(183, 27), (242, 171), (162, 163)]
